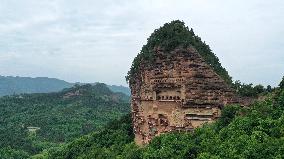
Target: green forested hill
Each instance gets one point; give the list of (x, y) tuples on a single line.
[(252, 132), (10, 85), (30, 123)]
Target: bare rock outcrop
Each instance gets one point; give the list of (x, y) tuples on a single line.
[(178, 91)]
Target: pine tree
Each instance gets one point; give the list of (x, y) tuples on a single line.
[(281, 84)]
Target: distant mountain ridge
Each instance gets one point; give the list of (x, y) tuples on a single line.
[(120, 88), (10, 85)]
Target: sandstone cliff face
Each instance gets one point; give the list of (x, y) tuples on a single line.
[(178, 91)]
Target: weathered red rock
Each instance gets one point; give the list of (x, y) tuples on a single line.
[(178, 91)]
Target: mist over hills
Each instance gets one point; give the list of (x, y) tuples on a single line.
[(10, 85)]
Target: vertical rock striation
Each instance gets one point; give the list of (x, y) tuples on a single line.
[(178, 92)]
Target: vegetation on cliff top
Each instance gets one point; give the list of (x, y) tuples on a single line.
[(170, 36)]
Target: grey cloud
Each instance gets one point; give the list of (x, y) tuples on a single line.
[(94, 40)]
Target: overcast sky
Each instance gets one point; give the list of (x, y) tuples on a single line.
[(95, 41)]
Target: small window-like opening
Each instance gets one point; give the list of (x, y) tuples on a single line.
[(158, 97), (171, 97), (167, 97), (178, 98), (174, 97), (163, 97)]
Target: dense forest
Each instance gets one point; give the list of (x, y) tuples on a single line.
[(30, 123), (10, 85), (256, 131)]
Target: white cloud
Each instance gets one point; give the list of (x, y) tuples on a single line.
[(94, 40)]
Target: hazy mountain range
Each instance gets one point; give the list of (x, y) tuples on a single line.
[(10, 85)]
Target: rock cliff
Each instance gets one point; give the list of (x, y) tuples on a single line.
[(175, 90)]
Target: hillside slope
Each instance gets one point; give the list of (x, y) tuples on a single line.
[(33, 122), (253, 132)]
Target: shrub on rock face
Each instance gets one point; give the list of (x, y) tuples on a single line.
[(228, 114)]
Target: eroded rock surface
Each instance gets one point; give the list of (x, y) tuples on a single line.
[(178, 91)]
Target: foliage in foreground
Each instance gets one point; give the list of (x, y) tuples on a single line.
[(106, 143), (254, 132)]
